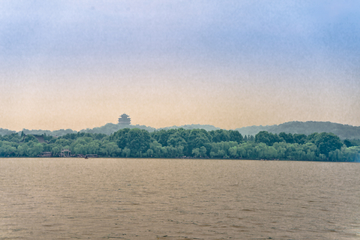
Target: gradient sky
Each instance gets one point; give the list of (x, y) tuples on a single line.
[(228, 63)]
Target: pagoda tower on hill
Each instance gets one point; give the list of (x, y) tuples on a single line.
[(124, 119)]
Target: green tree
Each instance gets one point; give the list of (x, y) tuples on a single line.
[(121, 137), (288, 138), (196, 152), (35, 150), (348, 143), (327, 142), (156, 148), (30, 138), (126, 152), (233, 153), (7, 149), (202, 151), (300, 138), (110, 149), (176, 140), (138, 141), (149, 153), (235, 136), (55, 150), (197, 139), (219, 135), (312, 137), (162, 136), (135, 139), (267, 138)]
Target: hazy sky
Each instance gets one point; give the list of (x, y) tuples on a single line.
[(228, 63)]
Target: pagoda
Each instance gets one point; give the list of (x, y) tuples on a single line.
[(124, 119)]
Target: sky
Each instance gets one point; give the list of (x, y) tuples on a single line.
[(228, 63)]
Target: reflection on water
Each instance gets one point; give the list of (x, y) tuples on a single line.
[(178, 199)]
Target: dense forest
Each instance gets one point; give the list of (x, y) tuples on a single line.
[(341, 130), (184, 143)]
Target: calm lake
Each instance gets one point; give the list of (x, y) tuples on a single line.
[(178, 199)]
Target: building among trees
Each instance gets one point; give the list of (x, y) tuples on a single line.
[(124, 120), (65, 153)]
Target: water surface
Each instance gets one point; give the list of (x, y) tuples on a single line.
[(178, 199)]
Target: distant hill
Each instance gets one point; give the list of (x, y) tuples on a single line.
[(341, 130), (56, 133), (193, 126), (110, 128), (6, 131)]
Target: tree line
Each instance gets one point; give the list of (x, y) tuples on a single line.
[(186, 143), (341, 130)]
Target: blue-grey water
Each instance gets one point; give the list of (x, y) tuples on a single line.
[(178, 199)]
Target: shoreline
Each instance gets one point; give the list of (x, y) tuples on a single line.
[(202, 159)]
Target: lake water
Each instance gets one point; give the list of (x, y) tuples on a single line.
[(178, 199)]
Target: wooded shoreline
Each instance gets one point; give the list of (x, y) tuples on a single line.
[(184, 144)]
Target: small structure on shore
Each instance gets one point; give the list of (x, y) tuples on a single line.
[(124, 120), (65, 153), (45, 154)]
